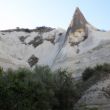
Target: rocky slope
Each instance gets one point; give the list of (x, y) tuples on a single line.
[(97, 94), (85, 46), (80, 46)]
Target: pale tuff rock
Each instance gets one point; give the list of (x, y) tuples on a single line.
[(80, 51), (81, 46), (17, 47)]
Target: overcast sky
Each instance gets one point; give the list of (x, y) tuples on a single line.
[(52, 13)]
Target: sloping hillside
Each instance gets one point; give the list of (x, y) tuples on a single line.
[(82, 45)]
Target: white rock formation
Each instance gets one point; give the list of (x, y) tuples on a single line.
[(81, 46)]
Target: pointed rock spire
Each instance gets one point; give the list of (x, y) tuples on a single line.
[(78, 20), (77, 27)]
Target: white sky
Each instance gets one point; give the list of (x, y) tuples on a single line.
[(52, 13)]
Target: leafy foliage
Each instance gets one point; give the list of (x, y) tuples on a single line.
[(97, 72), (40, 89), (43, 89)]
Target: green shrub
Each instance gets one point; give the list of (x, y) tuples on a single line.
[(65, 91), (103, 68), (88, 73), (97, 72), (1, 70), (40, 89)]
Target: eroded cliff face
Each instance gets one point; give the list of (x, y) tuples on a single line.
[(20, 48), (80, 46)]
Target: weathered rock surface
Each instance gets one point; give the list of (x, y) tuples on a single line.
[(80, 46), (17, 47), (83, 49), (96, 96)]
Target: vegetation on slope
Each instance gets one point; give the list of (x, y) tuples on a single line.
[(91, 76), (97, 72), (42, 89)]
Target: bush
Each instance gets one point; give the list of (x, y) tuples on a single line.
[(40, 89), (97, 72), (65, 91), (88, 73), (1, 71)]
